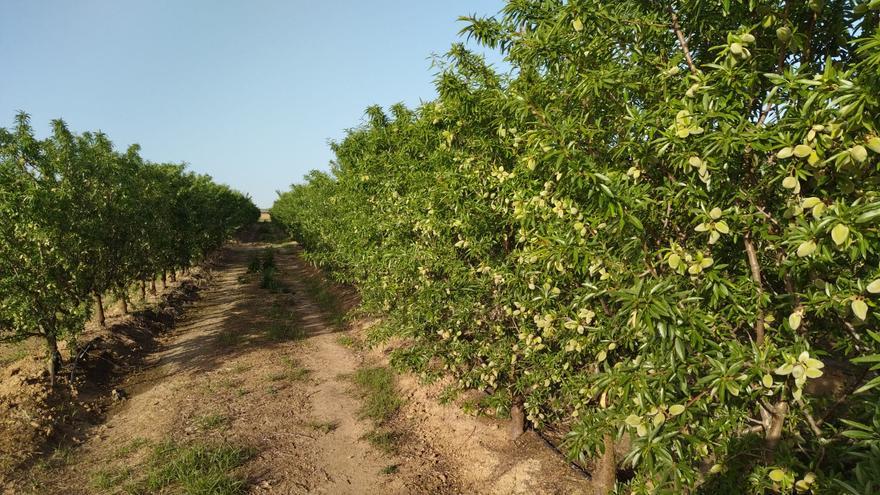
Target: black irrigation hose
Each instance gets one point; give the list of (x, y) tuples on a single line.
[(80, 356), (577, 467)]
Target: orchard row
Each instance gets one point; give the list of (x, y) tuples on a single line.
[(659, 231), (80, 220)]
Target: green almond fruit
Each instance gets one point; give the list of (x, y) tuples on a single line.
[(578, 25), (839, 234), (811, 202), (858, 153), (859, 308), (874, 144), (802, 150), (633, 420), (794, 320), (785, 153), (676, 410), (783, 34), (790, 182), (806, 248), (874, 287)]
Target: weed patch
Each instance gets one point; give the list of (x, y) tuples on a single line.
[(197, 469), (323, 426), (383, 439), (380, 396), (211, 422)]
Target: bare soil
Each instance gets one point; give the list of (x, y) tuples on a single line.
[(267, 369)]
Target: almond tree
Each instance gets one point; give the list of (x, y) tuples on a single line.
[(658, 232)]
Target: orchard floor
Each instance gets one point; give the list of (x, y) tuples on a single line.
[(269, 372)]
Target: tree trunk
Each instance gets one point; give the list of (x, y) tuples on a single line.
[(123, 299), (605, 475), (164, 279), (99, 301), (143, 290), (53, 361), (517, 421), (153, 285), (173, 275)]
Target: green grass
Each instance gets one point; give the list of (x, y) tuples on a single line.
[(293, 375), (383, 439), (292, 371), (380, 404), (323, 426), (281, 330), (14, 353), (284, 325), (197, 469), (350, 342), (211, 421), (229, 338), (131, 447), (377, 389), (240, 368), (390, 469), (108, 478), (59, 457)]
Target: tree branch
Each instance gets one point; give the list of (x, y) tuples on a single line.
[(756, 278), (682, 41)]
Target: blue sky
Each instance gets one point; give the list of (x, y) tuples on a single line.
[(246, 91)]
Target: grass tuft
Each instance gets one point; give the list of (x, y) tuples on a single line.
[(131, 447), (380, 397), (390, 469), (105, 479), (198, 469), (229, 338), (383, 439), (323, 426), (211, 421)]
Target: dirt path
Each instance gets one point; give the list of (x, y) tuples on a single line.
[(264, 370)]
